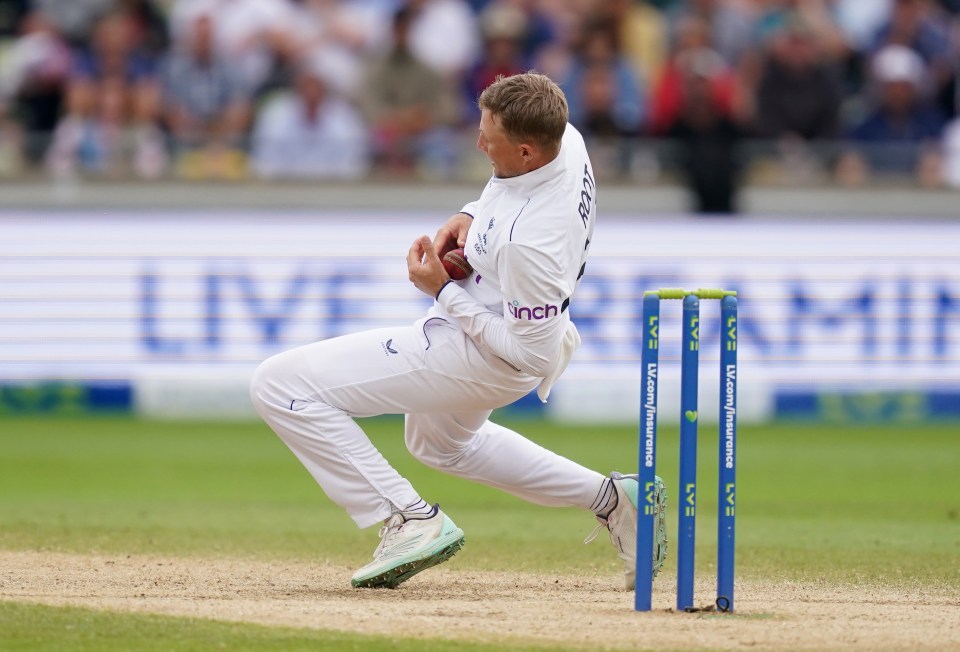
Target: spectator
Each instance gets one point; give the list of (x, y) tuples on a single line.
[(149, 27), (445, 36), (96, 141), (114, 87), (559, 26), (642, 33), (113, 56), (692, 42), (816, 15), (409, 106), (206, 105), (39, 66), (820, 18), (730, 25), (540, 25), (611, 142), (504, 27), (897, 136), (74, 19), (800, 92), (914, 24), (917, 25), (951, 154), (310, 133), (257, 36), (600, 65), (344, 33), (948, 96), (705, 136), (860, 21)]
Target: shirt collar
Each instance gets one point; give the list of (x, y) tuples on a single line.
[(534, 178)]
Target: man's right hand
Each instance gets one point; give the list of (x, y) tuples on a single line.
[(453, 234)]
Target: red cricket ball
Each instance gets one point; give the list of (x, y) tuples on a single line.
[(455, 262)]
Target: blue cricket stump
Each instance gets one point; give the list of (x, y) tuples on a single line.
[(726, 491), (687, 508), (649, 360)]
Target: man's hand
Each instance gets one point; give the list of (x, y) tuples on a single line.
[(453, 234), (424, 267)]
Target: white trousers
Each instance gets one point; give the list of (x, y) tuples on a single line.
[(444, 384)]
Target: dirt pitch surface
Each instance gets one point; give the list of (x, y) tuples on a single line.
[(501, 608)]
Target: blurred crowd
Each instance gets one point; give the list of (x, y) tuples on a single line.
[(852, 89)]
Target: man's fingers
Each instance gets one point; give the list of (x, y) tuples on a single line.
[(415, 255), (453, 234), (443, 241), (443, 234), (447, 241), (421, 251), (426, 244)]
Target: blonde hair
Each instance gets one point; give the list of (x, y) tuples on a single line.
[(530, 107)]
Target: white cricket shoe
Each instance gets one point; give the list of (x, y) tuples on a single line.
[(622, 524), (410, 543)]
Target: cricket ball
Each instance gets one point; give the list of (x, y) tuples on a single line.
[(455, 262)]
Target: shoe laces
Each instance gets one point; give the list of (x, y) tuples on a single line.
[(602, 524), (604, 521), (387, 530), (394, 524), (594, 534)]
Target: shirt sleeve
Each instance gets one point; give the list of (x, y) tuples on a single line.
[(529, 332), (471, 208)]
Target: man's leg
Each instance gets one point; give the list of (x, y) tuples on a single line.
[(469, 446), (432, 372), (310, 396)]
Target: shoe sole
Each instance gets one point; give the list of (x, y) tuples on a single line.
[(660, 526), (660, 541), (393, 577)]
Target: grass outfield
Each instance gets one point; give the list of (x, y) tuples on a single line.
[(29, 627), (841, 504)]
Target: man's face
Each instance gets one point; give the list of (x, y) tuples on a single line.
[(898, 97), (311, 88), (505, 156), (202, 44)]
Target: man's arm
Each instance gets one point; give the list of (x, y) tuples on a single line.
[(529, 342)]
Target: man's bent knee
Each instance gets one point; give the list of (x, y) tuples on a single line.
[(429, 444), (264, 386)]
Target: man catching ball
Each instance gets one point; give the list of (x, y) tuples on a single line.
[(488, 340)]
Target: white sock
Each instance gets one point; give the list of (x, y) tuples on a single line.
[(419, 508), (606, 500)]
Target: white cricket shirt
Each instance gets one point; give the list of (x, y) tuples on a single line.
[(528, 246)]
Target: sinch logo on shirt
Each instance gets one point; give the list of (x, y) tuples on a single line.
[(534, 313)]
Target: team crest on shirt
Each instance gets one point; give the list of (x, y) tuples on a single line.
[(481, 244)]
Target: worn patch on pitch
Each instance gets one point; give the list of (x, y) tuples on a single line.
[(448, 603)]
